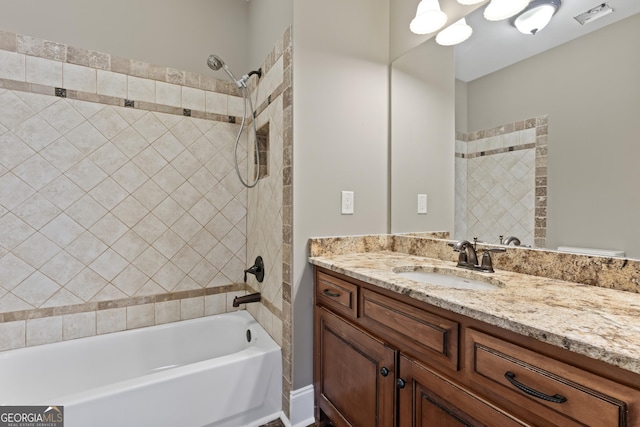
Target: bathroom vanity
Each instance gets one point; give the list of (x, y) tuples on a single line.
[(533, 351)]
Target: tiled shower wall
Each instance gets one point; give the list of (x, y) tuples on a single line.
[(119, 205), (269, 214), (501, 183)]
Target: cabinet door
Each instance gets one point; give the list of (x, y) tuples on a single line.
[(354, 374), (427, 399)]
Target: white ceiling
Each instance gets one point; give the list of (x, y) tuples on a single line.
[(495, 45)]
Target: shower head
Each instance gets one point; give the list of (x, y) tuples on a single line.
[(215, 62)]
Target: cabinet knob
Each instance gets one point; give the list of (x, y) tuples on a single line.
[(384, 371), (400, 383)]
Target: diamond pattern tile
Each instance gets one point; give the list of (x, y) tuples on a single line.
[(101, 202), (497, 186)]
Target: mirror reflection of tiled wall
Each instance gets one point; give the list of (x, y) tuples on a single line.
[(501, 183)]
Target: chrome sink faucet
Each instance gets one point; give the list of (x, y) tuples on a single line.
[(468, 257)]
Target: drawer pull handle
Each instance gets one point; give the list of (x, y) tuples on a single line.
[(328, 293), (384, 371), (400, 383), (511, 377)]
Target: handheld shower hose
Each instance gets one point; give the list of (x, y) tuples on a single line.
[(215, 63)]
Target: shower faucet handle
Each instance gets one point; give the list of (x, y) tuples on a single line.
[(257, 269)]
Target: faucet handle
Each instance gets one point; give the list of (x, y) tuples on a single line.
[(487, 263)]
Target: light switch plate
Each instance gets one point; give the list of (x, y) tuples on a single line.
[(347, 203), (422, 204)]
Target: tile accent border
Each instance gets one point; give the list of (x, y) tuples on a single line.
[(195, 88), (39, 313)]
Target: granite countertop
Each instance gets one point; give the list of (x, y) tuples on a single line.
[(600, 323)]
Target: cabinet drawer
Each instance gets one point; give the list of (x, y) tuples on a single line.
[(561, 394), (424, 335), (337, 294)]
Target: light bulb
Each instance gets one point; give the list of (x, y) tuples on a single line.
[(429, 17), (534, 20), (497, 10), (454, 34)]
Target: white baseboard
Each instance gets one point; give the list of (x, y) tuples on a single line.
[(300, 408)]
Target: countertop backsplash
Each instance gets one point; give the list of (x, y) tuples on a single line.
[(606, 272)]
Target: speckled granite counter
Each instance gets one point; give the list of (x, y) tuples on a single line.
[(597, 322)]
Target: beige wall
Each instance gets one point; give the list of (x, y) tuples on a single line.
[(172, 33), (461, 106), (590, 89), (268, 20), (340, 137), (422, 131)]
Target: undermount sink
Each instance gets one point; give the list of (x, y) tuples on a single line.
[(461, 279)]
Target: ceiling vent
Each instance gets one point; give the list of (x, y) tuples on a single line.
[(594, 13)]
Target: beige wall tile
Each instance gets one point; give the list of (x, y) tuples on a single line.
[(76, 77), (111, 84), (141, 89), (12, 335), (78, 325), (235, 106), (168, 94), (191, 308), (216, 103), (111, 320), (43, 71), (139, 316), (215, 304), (12, 66), (88, 217), (44, 331), (167, 311), (193, 99)]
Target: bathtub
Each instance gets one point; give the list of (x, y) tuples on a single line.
[(222, 371)]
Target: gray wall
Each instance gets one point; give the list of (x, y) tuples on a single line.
[(172, 33), (340, 76), (268, 20), (590, 88), (422, 131)]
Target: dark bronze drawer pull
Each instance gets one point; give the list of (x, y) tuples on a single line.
[(384, 371), (511, 377), (400, 383), (328, 293)]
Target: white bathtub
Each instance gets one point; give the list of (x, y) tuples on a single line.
[(191, 373)]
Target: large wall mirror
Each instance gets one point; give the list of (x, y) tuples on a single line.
[(565, 102)]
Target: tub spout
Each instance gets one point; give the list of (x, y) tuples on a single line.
[(246, 299)]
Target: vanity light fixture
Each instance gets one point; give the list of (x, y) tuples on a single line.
[(429, 17), (535, 16), (454, 34), (497, 10)]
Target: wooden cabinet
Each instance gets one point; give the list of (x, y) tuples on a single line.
[(355, 384), (384, 359), (428, 399), (560, 393)]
